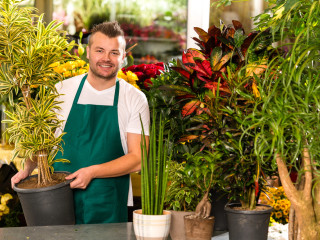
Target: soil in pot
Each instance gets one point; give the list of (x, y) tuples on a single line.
[(52, 205), (198, 228), (31, 183)]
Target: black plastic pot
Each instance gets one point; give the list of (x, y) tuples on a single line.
[(49, 205), (218, 200), (247, 225)]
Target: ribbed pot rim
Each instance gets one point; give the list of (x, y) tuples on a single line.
[(139, 212), (228, 208), (43, 189)]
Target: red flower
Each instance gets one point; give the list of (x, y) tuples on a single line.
[(147, 83)]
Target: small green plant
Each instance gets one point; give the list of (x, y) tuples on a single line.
[(154, 172), (182, 193)]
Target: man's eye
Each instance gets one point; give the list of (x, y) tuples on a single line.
[(115, 53)]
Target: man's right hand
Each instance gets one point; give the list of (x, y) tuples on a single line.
[(22, 174), (29, 166)]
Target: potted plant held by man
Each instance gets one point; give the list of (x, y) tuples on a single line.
[(28, 52), (152, 221)]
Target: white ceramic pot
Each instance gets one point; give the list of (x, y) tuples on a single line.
[(155, 227)]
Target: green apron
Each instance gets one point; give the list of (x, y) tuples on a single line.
[(93, 137)]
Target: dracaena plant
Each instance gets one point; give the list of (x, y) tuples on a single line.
[(28, 50)]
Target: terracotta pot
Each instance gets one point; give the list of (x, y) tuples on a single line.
[(177, 231), (198, 228), (151, 227), (246, 224)]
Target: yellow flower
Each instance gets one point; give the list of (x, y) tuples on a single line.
[(80, 63), (276, 207), (82, 71), (132, 77), (2, 207), (278, 214), (122, 75), (286, 212), (71, 65), (5, 198), (67, 74)]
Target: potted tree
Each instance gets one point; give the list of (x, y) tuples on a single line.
[(288, 119), (28, 51), (152, 221)]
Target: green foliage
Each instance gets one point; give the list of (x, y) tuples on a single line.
[(182, 193), (208, 95), (288, 119), (154, 172), (28, 51), (32, 130)]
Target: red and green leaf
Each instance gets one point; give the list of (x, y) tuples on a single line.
[(203, 35), (237, 25), (183, 72), (215, 56), (190, 107), (222, 61)]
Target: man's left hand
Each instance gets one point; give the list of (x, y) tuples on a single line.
[(82, 178)]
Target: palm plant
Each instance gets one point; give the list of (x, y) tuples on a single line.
[(28, 51)]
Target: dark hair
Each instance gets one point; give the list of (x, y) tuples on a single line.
[(110, 29)]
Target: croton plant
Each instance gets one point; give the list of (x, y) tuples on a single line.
[(215, 90)]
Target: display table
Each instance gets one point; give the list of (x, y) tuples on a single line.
[(111, 231)]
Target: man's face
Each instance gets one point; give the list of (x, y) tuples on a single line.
[(105, 55)]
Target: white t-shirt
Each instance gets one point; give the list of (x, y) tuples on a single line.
[(132, 104)]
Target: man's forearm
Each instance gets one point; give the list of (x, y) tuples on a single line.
[(121, 166)]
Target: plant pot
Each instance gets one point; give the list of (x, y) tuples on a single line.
[(48, 205), (151, 226), (246, 224), (198, 228), (218, 200), (177, 231)]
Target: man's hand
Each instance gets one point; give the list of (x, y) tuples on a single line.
[(82, 178), (22, 174)]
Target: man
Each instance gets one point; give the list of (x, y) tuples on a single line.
[(103, 131)]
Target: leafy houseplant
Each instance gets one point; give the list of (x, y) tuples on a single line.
[(218, 89), (154, 176), (28, 51)]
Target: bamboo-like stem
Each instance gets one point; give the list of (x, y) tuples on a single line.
[(44, 175), (26, 95)]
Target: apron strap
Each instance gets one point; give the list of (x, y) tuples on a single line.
[(76, 98), (116, 93)]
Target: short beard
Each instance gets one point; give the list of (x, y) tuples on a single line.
[(107, 78)]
